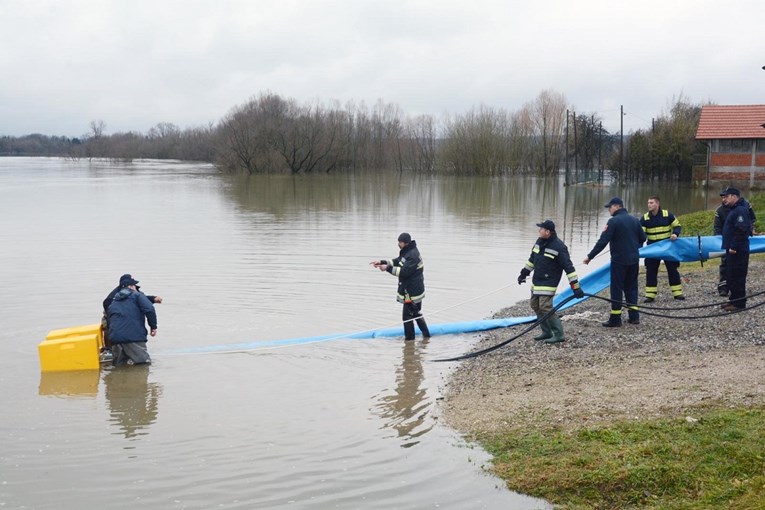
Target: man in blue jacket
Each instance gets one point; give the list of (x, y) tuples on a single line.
[(127, 317), (107, 349), (735, 241), (625, 235)]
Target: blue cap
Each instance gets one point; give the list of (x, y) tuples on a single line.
[(730, 191), (548, 224), (614, 201)]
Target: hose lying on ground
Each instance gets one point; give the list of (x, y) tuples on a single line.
[(643, 309)]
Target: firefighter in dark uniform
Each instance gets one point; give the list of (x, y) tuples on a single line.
[(735, 241), (625, 235), (548, 260), (660, 224), (408, 267), (720, 214)]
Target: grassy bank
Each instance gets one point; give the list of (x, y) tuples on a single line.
[(712, 459), (715, 459)]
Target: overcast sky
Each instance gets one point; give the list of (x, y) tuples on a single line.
[(137, 63)]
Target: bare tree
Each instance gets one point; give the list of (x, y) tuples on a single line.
[(546, 117), (97, 128)]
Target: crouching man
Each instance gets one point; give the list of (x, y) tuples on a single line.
[(127, 317)]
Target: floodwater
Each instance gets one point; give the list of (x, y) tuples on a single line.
[(336, 423)]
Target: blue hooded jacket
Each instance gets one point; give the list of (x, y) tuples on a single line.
[(126, 317)]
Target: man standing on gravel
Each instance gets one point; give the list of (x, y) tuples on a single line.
[(548, 260), (625, 235), (735, 241), (720, 215), (660, 224)]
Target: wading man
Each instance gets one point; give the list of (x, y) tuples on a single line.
[(409, 268), (127, 317)]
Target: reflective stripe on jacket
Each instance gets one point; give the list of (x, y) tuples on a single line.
[(409, 269), (548, 260), (661, 226)]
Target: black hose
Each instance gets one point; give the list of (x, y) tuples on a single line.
[(502, 344), (641, 309)]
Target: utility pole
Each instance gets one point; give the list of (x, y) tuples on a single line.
[(576, 150), (621, 141), (567, 178), (600, 149)]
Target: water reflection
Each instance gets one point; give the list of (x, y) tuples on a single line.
[(132, 400), (406, 410), (77, 383)]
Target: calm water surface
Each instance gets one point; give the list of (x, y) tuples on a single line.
[(332, 424)]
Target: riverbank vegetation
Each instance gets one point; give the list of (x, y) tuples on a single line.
[(712, 459), (270, 133)]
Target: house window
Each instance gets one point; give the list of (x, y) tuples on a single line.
[(761, 146), (733, 146)]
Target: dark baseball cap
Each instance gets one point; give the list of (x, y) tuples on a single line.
[(730, 191), (548, 224), (614, 201)]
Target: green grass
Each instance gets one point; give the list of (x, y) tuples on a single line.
[(717, 462), (697, 223)]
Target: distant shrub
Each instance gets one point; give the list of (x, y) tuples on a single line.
[(697, 223)]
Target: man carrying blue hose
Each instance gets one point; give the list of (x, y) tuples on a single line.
[(548, 260), (625, 236)]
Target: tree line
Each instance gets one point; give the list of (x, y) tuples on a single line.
[(270, 133)]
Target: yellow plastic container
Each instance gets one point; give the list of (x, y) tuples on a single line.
[(74, 348)]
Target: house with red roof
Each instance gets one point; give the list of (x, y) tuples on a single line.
[(735, 140)]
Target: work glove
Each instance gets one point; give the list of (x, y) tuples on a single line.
[(578, 292), (522, 277)]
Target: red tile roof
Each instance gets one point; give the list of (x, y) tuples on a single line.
[(738, 121)]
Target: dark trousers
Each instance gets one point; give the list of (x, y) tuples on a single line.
[(624, 287), (413, 311), (737, 269), (722, 287), (652, 277)]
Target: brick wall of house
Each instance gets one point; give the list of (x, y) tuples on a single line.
[(735, 174), (724, 159)]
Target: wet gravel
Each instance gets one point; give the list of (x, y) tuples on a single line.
[(663, 367)]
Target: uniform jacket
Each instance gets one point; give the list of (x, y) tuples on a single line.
[(737, 227), (625, 235), (127, 315), (722, 212), (548, 260), (408, 267), (660, 226)]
